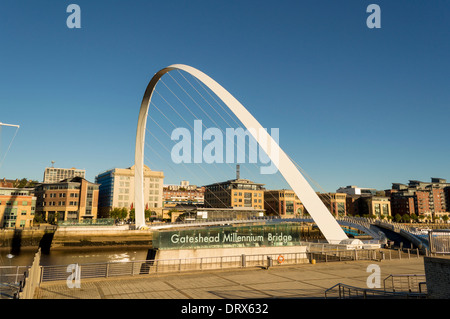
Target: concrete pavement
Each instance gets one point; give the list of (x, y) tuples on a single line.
[(290, 281)]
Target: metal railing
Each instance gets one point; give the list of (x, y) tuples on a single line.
[(12, 274), (9, 290), (343, 291), (158, 266), (439, 241), (405, 282), (142, 267)]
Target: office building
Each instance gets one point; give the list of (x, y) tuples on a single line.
[(335, 202), (283, 203), (355, 190), (424, 199), (117, 189), (235, 193), (55, 175), (367, 205), (73, 199), (17, 207)]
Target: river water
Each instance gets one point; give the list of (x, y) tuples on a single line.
[(73, 256)]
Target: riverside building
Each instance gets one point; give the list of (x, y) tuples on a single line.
[(72, 199), (283, 203), (428, 200), (235, 193), (335, 202), (17, 207), (116, 189)]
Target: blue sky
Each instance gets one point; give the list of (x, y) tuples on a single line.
[(355, 106)]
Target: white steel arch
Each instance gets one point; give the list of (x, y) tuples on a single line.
[(316, 208)]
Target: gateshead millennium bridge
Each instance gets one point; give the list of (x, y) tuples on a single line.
[(316, 208)]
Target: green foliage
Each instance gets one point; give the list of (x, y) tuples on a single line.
[(406, 218), (119, 213)]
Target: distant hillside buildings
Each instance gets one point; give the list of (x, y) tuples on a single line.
[(183, 194)]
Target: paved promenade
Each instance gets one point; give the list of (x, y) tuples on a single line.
[(299, 281)]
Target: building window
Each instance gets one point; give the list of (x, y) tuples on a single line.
[(377, 209)]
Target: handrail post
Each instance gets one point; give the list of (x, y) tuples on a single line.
[(409, 284)]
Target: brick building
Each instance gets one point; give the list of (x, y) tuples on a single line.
[(282, 203), (17, 207), (235, 193), (335, 202), (426, 199), (72, 199)]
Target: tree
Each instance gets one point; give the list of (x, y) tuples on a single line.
[(148, 214), (39, 218), (406, 218), (119, 213), (132, 214), (398, 218), (414, 217), (123, 213)]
